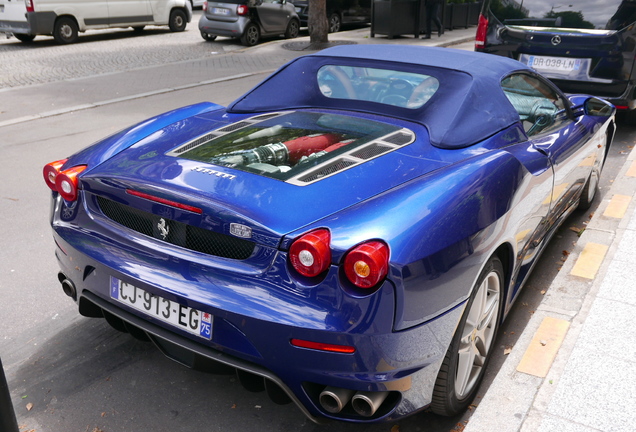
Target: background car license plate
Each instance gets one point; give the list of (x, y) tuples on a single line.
[(188, 319), (221, 11), (554, 63)]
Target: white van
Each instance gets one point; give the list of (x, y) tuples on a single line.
[(64, 19)]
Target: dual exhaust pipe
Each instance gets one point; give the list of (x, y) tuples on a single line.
[(364, 403)]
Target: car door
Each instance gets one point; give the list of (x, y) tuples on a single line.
[(552, 129), (273, 15), (122, 12)]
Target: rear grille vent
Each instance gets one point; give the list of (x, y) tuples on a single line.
[(371, 151), (235, 126), (196, 142), (326, 170), (266, 116), (399, 138), (179, 234)]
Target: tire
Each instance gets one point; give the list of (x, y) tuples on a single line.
[(334, 23), (292, 29), (591, 185), (472, 345), (24, 37), (178, 20), (208, 37), (65, 30), (251, 35)]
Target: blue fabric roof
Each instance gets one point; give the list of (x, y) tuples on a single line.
[(468, 107)]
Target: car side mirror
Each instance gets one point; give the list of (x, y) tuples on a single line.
[(591, 106)]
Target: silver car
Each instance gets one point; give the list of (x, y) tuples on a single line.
[(248, 20)]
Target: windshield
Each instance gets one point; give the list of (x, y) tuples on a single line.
[(582, 14)]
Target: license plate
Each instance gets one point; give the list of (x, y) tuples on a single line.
[(183, 317), (554, 63), (221, 11)]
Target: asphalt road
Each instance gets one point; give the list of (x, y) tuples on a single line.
[(69, 373)]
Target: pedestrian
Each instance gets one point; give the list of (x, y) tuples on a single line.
[(432, 14)]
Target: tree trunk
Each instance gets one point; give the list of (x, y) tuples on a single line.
[(317, 23)]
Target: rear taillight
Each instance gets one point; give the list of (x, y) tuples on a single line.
[(67, 183), (310, 255), (29, 5), (50, 172), (205, 6), (482, 29), (367, 264), (242, 10)]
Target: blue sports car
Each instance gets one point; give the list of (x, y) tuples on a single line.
[(348, 235)]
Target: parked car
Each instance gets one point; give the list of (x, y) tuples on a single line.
[(339, 12), (348, 235), (65, 20), (249, 20), (197, 3), (584, 47)]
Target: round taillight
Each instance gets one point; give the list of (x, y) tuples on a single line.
[(66, 182), (50, 172), (367, 264), (241, 10), (310, 255)]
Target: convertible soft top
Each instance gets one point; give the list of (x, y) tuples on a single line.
[(468, 107)]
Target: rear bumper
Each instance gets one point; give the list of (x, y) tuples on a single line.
[(254, 335), (37, 23), (233, 29)]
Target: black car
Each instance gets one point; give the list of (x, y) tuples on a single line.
[(583, 47), (339, 12)]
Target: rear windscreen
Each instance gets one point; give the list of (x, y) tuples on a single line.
[(582, 14)]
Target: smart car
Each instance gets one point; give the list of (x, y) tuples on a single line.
[(348, 235), (248, 20)]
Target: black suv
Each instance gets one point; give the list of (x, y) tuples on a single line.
[(584, 47), (339, 12)]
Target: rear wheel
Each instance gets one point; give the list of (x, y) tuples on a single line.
[(292, 29), (472, 345), (591, 185), (65, 30), (178, 20), (334, 23), (251, 35)]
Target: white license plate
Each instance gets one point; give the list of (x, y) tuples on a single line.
[(188, 319), (554, 63), (221, 11)]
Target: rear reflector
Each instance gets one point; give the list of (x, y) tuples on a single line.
[(343, 349), (164, 201)]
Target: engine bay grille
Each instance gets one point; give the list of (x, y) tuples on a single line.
[(177, 233)]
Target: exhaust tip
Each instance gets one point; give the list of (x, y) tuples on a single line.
[(334, 399), (367, 403), (68, 286)]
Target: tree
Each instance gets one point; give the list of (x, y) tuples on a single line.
[(317, 22)]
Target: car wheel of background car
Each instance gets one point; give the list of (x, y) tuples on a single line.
[(65, 30), (251, 35), (292, 29), (334, 23), (178, 20), (24, 37), (465, 362)]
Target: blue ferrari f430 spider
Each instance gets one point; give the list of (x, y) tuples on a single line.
[(348, 235)]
